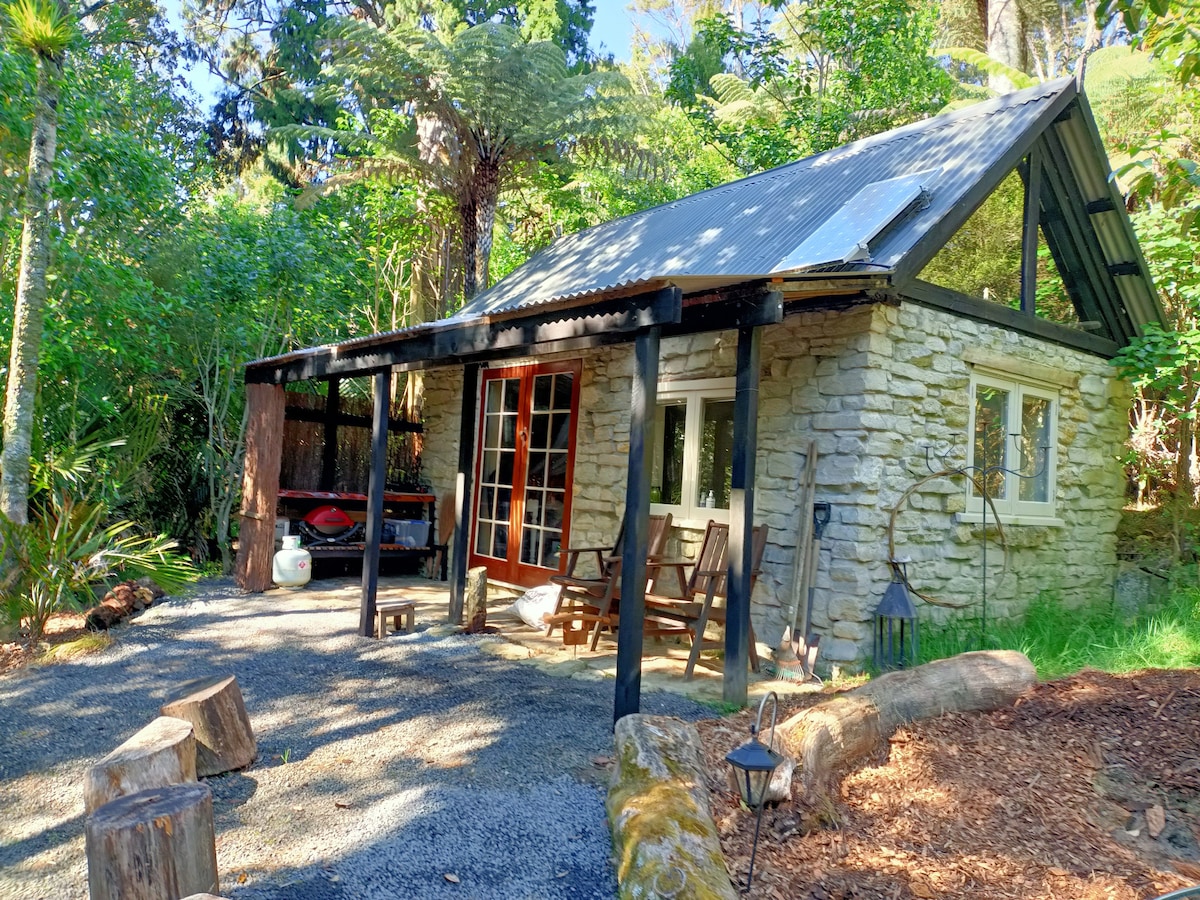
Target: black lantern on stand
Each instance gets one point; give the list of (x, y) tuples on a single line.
[(896, 641), (754, 764)]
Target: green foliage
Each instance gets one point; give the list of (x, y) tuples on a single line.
[(1167, 29), (1060, 641), (43, 27)]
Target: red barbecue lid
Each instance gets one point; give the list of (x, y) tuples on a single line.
[(328, 517)]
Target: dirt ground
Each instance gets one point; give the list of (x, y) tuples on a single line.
[(1087, 788), (60, 629)]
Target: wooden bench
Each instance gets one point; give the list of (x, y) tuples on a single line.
[(395, 609)]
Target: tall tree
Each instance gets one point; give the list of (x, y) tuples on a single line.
[(43, 28), (466, 115)]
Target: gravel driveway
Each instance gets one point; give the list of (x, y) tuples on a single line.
[(384, 766)]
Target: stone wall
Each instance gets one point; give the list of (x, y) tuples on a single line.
[(872, 386)]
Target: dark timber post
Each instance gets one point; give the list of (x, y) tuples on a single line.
[(1029, 234), (462, 491), (637, 518), (741, 516), (333, 409), (382, 390)]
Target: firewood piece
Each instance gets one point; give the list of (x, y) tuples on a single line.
[(833, 737), (153, 844), (214, 706), (162, 753), (475, 602)]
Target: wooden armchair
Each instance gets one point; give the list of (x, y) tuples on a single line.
[(587, 605), (704, 595)]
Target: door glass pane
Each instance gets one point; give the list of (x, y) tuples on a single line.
[(508, 432), (991, 439), (512, 394), (556, 477), (530, 544), (539, 431), (535, 475), (541, 392), (561, 430), (483, 539), (494, 391), (666, 474), (563, 383), (716, 452), (1035, 443)]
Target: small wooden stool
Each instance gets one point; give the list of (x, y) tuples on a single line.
[(395, 609)]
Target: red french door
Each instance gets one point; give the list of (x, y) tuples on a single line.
[(526, 458)]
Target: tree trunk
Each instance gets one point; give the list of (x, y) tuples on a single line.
[(487, 194), (1006, 41), (469, 226), (214, 706), (153, 845), (260, 485), (32, 291)]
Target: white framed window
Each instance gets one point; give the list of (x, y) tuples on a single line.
[(692, 450), (1012, 448)]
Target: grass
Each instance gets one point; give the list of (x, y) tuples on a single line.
[(1061, 641), (82, 646)]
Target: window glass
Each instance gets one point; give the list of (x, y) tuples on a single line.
[(670, 427), (716, 452), (1034, 449), (991, 438)]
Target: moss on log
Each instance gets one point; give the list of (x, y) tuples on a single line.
[(664, 839)]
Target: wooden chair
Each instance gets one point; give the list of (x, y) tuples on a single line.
[(585, 606), (705, 587)]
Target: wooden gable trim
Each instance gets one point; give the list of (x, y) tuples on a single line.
[(936, 297)]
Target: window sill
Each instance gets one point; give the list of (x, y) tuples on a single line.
[(695, 519), (974, 518)]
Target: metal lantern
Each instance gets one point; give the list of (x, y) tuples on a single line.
[(896, 640), (754, 763)]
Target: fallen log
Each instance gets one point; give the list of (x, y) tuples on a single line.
[(214, 707), (123, 600), (153, 844), (829, 739), (162, 753), (664, 841)]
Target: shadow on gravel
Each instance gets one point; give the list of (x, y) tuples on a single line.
[(390, 764)]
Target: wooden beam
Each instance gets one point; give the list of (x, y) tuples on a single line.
[(260, 486), (453, 342), (348, 420), (382, 396), (933, 295), (463, 488), (1030, 230), (1103, 205), (333, 407), (741, 516), (637, 517)]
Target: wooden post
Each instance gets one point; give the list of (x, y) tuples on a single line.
[(462, 491), (329, 454), (1029, 234), (476, 600), (260, 485), (637, 517), (741, 516), (153, 844), (382, 394), (214, 706)]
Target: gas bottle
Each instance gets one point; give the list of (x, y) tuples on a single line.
[(292, 566)]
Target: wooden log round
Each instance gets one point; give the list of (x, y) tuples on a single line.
[(475, 602), (153, 845), (162, 753), (665, 843), (214, 707), (834, 737)]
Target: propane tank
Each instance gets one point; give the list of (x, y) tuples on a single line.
[(292, 567)]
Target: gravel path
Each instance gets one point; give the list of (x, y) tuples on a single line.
[(383, 766)]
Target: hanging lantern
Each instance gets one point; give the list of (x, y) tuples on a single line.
[(754, 763), (896, 641)]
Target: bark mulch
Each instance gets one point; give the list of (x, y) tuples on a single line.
[(1087, 788)]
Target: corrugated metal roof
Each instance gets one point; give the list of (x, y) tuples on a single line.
[(746, 227)]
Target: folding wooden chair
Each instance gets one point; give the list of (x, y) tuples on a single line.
[(704, 597), (587, 605)]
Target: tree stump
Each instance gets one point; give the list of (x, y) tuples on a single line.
[(475, 601), (153, 845), (203, 897), (214, 706), (162, 753)]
